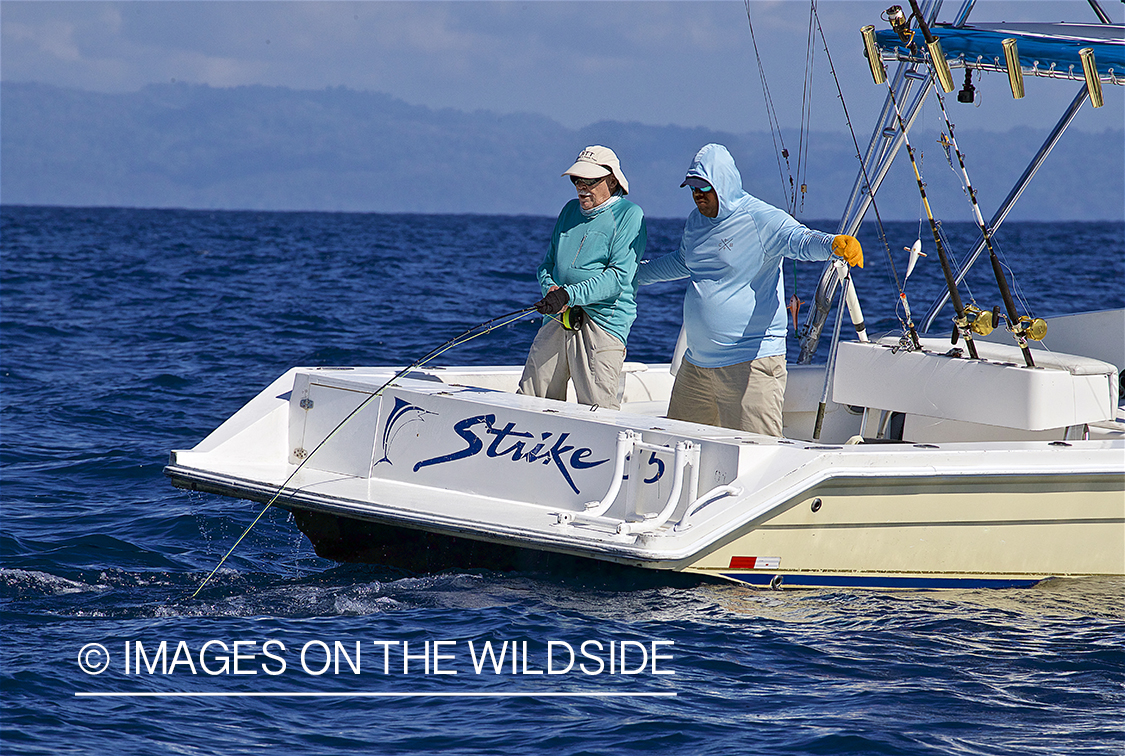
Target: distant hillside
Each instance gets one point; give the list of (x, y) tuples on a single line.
[(178, 145)]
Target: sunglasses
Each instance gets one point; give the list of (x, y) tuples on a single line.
[(701, 189), (585, 183)]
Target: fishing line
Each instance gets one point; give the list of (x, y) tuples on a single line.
[(771, 116), (478, 330), (1018, 293), (955, 262)]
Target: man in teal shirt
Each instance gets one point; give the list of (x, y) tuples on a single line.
[(588, 279)]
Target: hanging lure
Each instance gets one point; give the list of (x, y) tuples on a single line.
[(794, 308), (915, 252)]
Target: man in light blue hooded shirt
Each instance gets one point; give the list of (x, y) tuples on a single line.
[(733, 374)]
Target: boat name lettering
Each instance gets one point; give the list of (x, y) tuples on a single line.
[(512, 444)]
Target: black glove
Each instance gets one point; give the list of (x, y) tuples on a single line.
[(554, 302)]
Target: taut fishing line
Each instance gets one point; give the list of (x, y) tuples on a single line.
[(478, 330)]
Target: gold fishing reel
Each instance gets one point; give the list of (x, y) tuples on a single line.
[(900, 23), (982, 322), (1032, 328)]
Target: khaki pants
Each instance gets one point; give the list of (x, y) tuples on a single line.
[(589, 357), (747, 396)]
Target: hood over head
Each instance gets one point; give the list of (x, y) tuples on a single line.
[(714, 164)]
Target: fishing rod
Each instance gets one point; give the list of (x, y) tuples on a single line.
[(478, 330), (901, 27), (984, 322)]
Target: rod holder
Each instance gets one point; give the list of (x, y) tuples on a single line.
[(1090, 71), (878, 71), (941, 65), (1015, 73)]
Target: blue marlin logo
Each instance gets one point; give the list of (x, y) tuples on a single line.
[(402, 411)]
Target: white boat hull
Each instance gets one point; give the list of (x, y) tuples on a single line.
[(453, 458)]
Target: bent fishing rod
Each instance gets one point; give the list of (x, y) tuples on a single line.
[(960, 323), (478, 330), (1020, 328)]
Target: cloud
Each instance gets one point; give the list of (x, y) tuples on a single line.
[(685, 63), (51, 37)]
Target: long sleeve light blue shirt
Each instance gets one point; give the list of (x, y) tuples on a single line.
[(734, 307)]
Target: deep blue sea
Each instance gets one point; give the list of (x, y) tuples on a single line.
[(127, 333)]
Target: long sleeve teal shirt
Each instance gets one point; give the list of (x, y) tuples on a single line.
[(595, 259)]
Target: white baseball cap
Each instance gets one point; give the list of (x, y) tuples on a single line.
[(596, 161)]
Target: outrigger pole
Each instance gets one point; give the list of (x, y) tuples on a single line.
[(1019, 328), (960, 324)]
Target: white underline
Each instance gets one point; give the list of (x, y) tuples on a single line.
[(362, 694)]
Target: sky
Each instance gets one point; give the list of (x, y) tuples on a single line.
[(684, 63)]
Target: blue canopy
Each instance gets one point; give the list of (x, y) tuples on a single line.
[(1049, 50)]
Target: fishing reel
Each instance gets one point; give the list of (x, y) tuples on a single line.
[(1031, 328), (982, 322), (900, 23), (572, 318)]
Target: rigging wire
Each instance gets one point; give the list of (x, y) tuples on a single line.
[(790, 192), (908, 325), (771, 116), (478, 330), (804, 138)]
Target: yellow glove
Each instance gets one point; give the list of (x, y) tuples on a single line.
[(848, 248)]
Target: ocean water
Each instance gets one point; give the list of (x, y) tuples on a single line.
[(126, 333)]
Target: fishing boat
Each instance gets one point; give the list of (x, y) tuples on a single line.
[(990, 457)]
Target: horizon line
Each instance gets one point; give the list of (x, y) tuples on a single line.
[(679, 218), (371, 694)]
